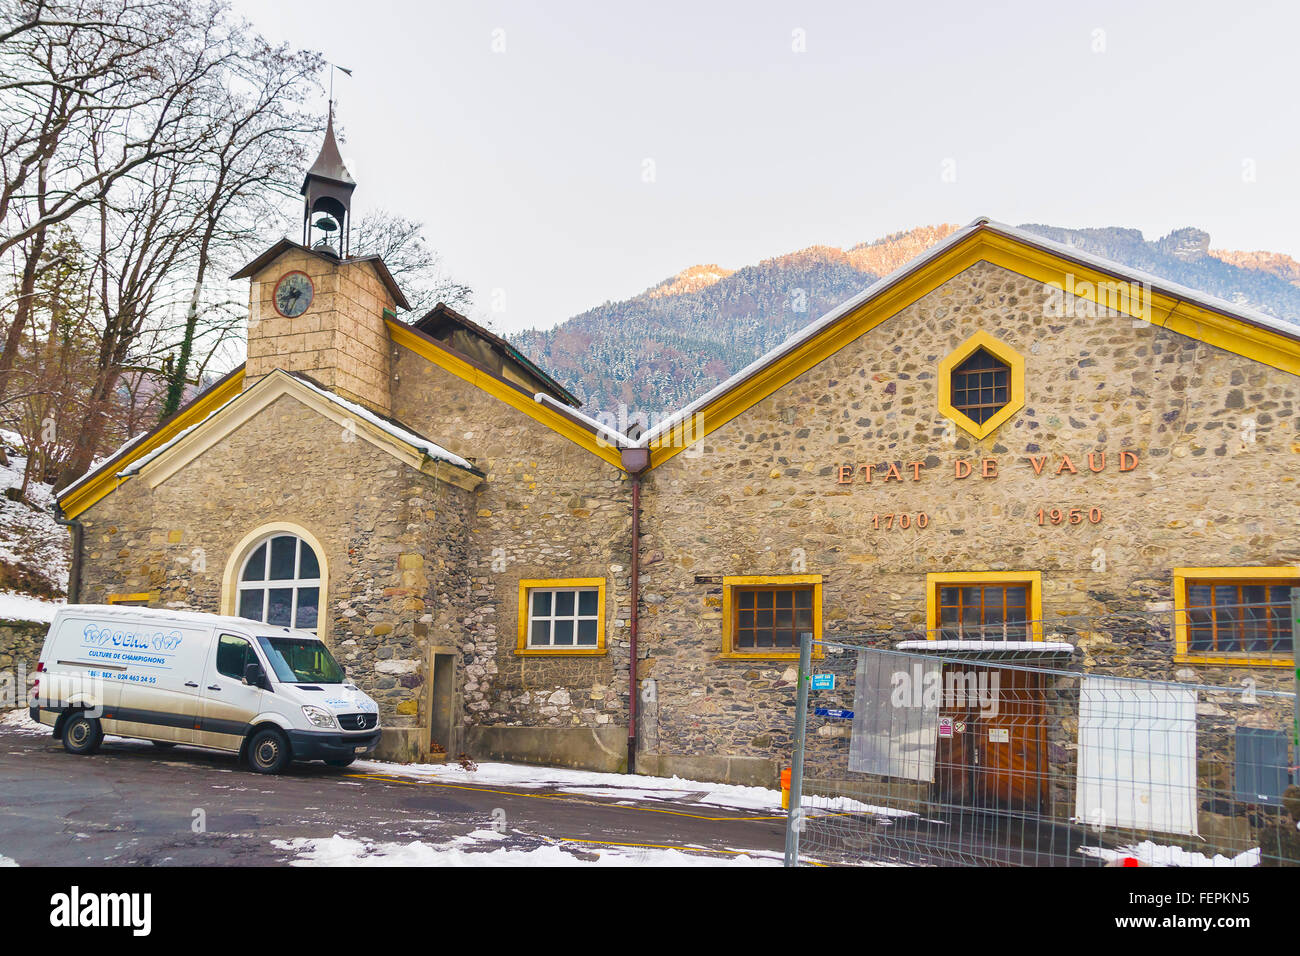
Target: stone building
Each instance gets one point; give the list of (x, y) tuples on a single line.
[(1002, 436)]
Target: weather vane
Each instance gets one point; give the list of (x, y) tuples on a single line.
[(333, 67)]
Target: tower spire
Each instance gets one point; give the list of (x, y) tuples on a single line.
[(327, 195)]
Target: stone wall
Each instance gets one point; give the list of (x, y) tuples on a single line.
[(1214, 435), (20, 649), (394, 539), (548, 509)]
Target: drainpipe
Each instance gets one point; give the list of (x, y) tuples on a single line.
[(635, 461), (74, 569)]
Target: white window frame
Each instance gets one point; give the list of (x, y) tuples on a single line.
[(575, 617), (267, 584)]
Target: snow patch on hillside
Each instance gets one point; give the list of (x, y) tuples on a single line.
[(30, 539), (23, 607)]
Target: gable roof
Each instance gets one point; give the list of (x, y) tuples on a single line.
[(1245, 331), (434, 323), (157, 460), (80, 494), (284, 245), (383, 433), (596, 437)]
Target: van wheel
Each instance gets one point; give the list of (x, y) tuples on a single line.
[(345, 762), (268, 751), (82, 735)]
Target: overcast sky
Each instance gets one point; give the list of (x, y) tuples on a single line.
[(567, 153)]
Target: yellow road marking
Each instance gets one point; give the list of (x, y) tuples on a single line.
[(565, 798), (659, 846)]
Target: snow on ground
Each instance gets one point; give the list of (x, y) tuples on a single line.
[(1158, 854), (6, 861), (21, 722), (29, 535), (626, 786), (24, 607), (475, 850)]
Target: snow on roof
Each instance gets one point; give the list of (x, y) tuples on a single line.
[(1281, 326), (134, 467), (170, 614), (1195, 296), (431, 449), (615, 438), (161, 613), (1047, 647), (99, 462)]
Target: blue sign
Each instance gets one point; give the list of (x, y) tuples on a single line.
[(823, 682), (833, 712)]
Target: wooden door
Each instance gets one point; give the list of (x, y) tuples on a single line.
[(956, 757), (1013, 743), (996, 754)]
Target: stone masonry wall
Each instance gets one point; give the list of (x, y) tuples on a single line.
[(394, 539), (549, 509), (1217, 450), (20, 649)]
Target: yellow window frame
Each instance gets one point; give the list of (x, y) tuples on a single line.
[(1034, 604), (729, 585), (1182, 640), (528, 584), (1004, 353), (133, 599)]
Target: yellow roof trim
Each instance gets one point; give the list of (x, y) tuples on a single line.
[(86, 494), (984, 245), (514, 397)]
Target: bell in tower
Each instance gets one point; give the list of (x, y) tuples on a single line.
[(327, 199)]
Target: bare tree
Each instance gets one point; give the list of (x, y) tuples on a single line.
[(71, 70), (247, 169), (400, 242), (91, 91), (171, 175)]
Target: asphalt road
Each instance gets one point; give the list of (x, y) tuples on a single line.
[(133, 804)]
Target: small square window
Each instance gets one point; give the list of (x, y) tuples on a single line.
[(1237, 617), (767, 619), (561, 619)]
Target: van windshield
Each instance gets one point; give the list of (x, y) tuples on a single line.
[(298, 661)]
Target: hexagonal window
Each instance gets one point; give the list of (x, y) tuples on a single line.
[(981, 384)]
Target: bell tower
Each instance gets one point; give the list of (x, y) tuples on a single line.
[(327, 198), (316, 309)]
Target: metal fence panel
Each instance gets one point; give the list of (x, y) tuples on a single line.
[(895, 731), (999, 752), (1137, 756)]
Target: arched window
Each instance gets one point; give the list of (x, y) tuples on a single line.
[(280, 583)]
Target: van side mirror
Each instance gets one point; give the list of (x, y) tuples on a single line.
[(253, 675)]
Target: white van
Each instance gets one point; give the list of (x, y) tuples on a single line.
[(271, 694)]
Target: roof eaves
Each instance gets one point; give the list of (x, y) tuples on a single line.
[(122, 450)]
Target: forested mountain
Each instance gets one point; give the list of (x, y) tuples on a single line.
[(655, 352)]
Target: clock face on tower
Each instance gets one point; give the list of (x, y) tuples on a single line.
[(293, 294)]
